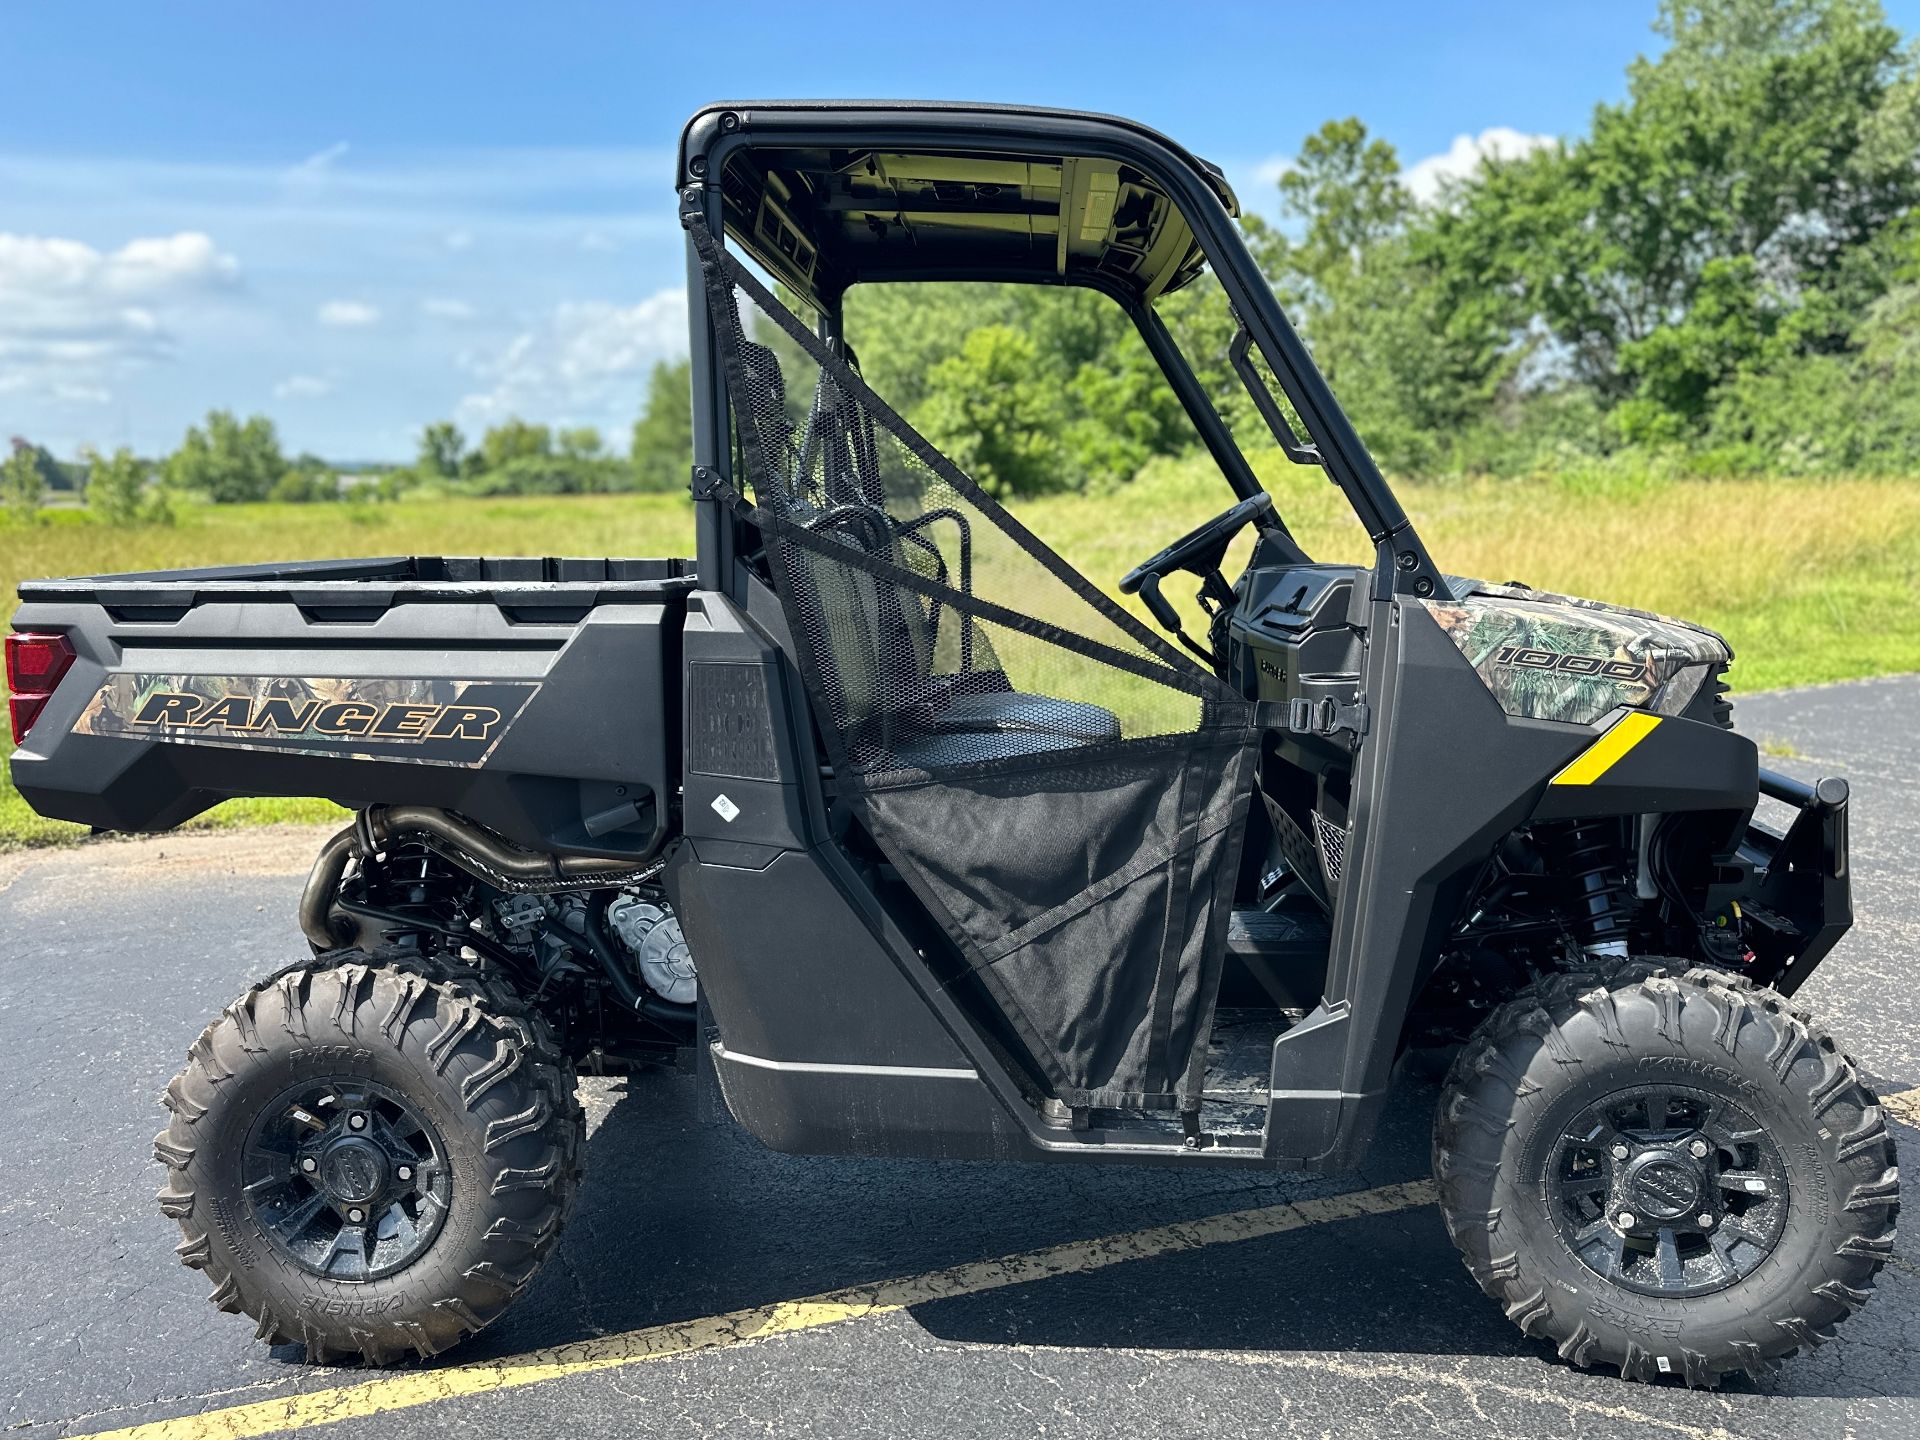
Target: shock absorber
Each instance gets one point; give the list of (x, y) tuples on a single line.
[(1590, 858)]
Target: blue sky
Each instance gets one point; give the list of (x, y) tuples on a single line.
[(358, 218)]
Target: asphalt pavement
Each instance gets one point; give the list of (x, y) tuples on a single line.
[(1344, 1317)]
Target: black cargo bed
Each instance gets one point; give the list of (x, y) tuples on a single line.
[(559, 678), (549, 587)]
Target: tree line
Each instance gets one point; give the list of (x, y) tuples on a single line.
[(228, 460), (1722, 276)]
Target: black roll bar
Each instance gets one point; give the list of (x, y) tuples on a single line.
[(717, 132)]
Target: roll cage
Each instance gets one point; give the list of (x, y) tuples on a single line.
[(827, 195)]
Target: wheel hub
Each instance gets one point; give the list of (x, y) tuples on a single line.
[(346, 1178), (352, 1170), (1663, 1185), (1668, 1190)]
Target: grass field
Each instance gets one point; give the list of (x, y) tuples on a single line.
[(1811, 580)]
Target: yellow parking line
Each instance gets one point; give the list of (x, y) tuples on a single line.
[(685, 1337), (611, 1352)]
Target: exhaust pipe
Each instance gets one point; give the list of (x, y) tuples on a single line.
[(323, 883), (486, 855), (479, 852)]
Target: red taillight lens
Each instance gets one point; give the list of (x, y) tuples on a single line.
[(35, 664)]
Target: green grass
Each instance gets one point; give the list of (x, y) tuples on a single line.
[(1812, 581)]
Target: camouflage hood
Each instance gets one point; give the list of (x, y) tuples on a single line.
[(1558, 657)]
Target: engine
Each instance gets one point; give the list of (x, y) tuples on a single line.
[(606, 962), (651, 933), (554, 929)]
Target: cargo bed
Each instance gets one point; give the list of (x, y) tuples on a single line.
[(531, 694)]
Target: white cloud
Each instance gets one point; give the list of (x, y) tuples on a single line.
[(34, 265), (320, 162), (441, 309), (598, 241), (1428, 178), (586, 362), (71, 316), (1270, 171), (380, 225), (1256, 183), (348, 314), (303, 387)]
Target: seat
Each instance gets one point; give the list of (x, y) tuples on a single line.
[(1005, 726), (897, 693)]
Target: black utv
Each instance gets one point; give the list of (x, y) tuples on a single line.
[(924, 845)]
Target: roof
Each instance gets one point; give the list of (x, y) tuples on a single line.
[(829, 194)]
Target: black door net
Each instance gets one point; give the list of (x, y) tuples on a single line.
[(1063, 790)]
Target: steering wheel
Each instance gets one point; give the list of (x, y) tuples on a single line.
[(1200, 550)]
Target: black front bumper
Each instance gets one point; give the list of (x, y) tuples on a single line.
[(1800, 902)]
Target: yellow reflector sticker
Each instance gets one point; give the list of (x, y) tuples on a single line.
[(1601, 756)]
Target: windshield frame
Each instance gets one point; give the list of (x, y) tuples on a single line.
[(716, 135)]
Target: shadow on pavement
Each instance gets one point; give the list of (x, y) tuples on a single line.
[(682, 1218)]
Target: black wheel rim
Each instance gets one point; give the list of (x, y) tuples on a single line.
[(1668, 1190), (346, 1178)]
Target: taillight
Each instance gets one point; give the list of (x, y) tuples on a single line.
[(35, 665)]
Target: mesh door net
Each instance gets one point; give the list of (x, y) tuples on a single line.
[(1063, 790)]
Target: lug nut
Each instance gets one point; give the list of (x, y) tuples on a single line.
[(356, 1122), (405, 1172), (356, 1216), (309, 1164), (1625, 1218), (1706, 1221), (1698, 1149), (1619, 1152)]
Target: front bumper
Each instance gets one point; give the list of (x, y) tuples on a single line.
[(1800, 901)]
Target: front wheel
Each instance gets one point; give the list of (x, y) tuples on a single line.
[(371, 1155), (1668, 1173)]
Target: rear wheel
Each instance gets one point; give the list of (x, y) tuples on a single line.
[(371, 1155), (1669, 1173)]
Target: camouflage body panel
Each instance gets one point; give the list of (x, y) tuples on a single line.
[(420, 721), (1557, 657)]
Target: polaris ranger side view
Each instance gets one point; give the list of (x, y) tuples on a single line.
[(928, 847)]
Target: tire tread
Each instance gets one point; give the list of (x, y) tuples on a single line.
[(1489, 1078), (480, 1014)]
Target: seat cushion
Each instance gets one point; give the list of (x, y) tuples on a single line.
[(1010, 710), (1005, 726)]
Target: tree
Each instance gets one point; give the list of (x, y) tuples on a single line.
[(116, 486), (553, 475), (661, 451), (901, 332), (229, 461), (987, 409), (21, 483), (580, 442), (54, 477), (1345, 190), (1411, 365), (1736, 321), (442, 449), (308, 481), (514, 439), (1124, 414), (1090, 382), (1778, 132)]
